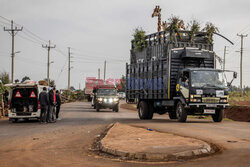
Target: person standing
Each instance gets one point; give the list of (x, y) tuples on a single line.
[(58, 105), (52, 101), (44, 102)]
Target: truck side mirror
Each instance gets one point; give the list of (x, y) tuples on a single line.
[(235, 75)]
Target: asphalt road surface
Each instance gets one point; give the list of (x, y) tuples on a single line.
[(67, 142)]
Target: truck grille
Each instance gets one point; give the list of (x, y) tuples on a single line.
[(210, 100)]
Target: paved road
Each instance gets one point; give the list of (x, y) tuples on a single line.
[(67, 142)]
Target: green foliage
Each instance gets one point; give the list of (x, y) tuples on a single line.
[(173, 27), (139, 39), (51, 82), (25, 78), (210, 28), (122, 86), (194, 27), (4, 77)]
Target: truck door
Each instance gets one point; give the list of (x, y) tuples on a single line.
[(184, 84)]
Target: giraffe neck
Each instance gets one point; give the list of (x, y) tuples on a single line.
[(159, 23)]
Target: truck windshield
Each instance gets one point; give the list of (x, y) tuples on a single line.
[(208, 79), (106, 91)]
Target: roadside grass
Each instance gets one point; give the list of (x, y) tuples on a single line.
[(236, 100)]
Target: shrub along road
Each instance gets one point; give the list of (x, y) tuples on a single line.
[(67, 142)]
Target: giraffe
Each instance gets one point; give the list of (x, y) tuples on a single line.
[(157, 13), (181, 25), (164, 25)]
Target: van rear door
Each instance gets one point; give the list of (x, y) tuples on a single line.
[(24, 101)]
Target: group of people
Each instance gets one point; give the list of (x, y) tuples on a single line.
[(49, 103)]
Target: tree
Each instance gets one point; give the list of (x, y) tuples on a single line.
[(174, 26), (194, 27), (4, 77), (210, 29), (122, 85), (139, 39), (51, 82), (25, 78)]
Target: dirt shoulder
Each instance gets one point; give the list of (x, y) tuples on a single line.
[(238, 111)]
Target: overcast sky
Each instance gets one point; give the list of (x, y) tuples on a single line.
[(99, 30)]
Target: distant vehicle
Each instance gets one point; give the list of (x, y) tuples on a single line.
[(122, 95), (24, 100), (177, 76), (105, 97), (90, 84)]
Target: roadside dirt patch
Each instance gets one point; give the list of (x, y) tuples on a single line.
[(238, 113), (134, 143), (129, 106)]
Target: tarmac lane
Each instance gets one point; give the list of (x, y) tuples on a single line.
[(68, 142)]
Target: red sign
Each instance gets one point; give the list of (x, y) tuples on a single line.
[(32, 95), (18, 94)]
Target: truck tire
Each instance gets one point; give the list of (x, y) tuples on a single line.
[(150, 111), (144, 110), (116, 108), (14, 120), (218, 116), (97, 109), (181, 113)]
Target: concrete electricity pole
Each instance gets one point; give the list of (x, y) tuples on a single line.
[(69, 67), (241, 55), (13, 31), (98, 73), (48, 47), (224, 60), (104, 70)]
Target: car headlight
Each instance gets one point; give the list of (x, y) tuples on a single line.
[(111, 100), (116, 99), (100, 99)]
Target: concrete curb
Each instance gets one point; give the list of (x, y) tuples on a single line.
[(205, 150)]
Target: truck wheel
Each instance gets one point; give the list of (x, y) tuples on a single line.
[(116, 108), (143, 110), (14, 120), (181, 113), (97, 108), (218, 116), (150, 111)]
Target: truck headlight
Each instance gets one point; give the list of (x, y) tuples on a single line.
[(100, 99), (223, 100), (116, 99), (111, 100)]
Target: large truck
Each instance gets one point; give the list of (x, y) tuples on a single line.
[(176, 76), (90, 84)]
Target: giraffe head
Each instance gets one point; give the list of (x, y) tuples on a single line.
[(157, 11)]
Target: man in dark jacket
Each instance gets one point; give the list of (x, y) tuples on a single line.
[(52, 101), (58, 104), (44, 102)]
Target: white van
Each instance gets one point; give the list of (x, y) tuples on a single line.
[(24, 101)]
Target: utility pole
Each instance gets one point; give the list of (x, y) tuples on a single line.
[(48, 63), (104, 70), (224, 60), (13, 31), (69, 67), (241, 55), (98, 73)]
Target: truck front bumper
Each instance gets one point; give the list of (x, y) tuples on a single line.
[(207, 105)]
